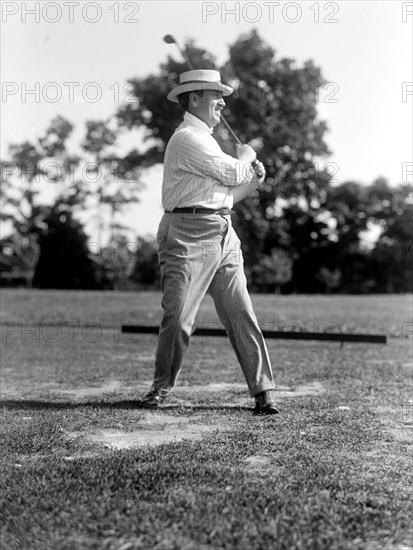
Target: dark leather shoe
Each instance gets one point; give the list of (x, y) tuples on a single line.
[(265, 403), (154, 398)]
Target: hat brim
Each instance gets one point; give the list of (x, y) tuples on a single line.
[(196, 86)]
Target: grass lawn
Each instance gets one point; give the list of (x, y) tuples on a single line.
[(82, 467)]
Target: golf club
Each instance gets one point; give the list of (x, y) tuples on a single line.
[(169, 39)]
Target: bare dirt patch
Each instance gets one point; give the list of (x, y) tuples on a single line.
[(260, 467), (398, 423), (257, 462), (153, 429), (118, 439), (158, 427)]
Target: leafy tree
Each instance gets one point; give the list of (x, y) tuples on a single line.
[(114, 263), (146, 272), (348, 207), (355, 209), (115, 184), (33, 165), (392, 256), (90, 182), (64, 260), (271, 272), (18, 258), (299, 233)]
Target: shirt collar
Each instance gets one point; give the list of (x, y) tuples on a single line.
[(192, 120)]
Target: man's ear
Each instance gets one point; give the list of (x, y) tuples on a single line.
[(193, 99)]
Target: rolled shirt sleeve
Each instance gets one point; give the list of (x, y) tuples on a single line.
[(203, 156)]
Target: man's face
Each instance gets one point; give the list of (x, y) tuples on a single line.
[(208, 106)]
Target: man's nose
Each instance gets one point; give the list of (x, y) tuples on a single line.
[(221, 102)]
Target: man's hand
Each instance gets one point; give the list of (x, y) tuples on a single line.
[(239, 192), (259, 172), (246, 154)]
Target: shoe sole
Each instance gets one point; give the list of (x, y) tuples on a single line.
[(265, 412), (148, 405)]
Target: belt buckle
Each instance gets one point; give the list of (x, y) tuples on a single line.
[(224, 211)]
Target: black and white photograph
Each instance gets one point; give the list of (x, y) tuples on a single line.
[(206, 275)]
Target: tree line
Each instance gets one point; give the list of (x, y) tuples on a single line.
[(301, 232)]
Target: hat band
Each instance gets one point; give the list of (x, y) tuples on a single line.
[(200, 82)]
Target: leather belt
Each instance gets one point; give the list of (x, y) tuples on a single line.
[(200, 210)]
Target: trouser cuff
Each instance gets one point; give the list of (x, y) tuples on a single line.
[(163, 392), (265, 386)]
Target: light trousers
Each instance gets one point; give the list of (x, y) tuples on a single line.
[(198, 254)]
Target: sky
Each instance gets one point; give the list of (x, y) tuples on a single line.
[(364, 50)]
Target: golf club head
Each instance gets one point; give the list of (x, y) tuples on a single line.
[(169, 39)]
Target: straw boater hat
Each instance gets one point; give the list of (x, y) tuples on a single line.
[(200, 79)]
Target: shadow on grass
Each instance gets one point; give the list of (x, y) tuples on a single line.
[(126, 404)]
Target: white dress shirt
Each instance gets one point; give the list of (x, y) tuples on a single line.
[(196, 170)]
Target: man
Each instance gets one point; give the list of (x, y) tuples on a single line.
[(199, 251)]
